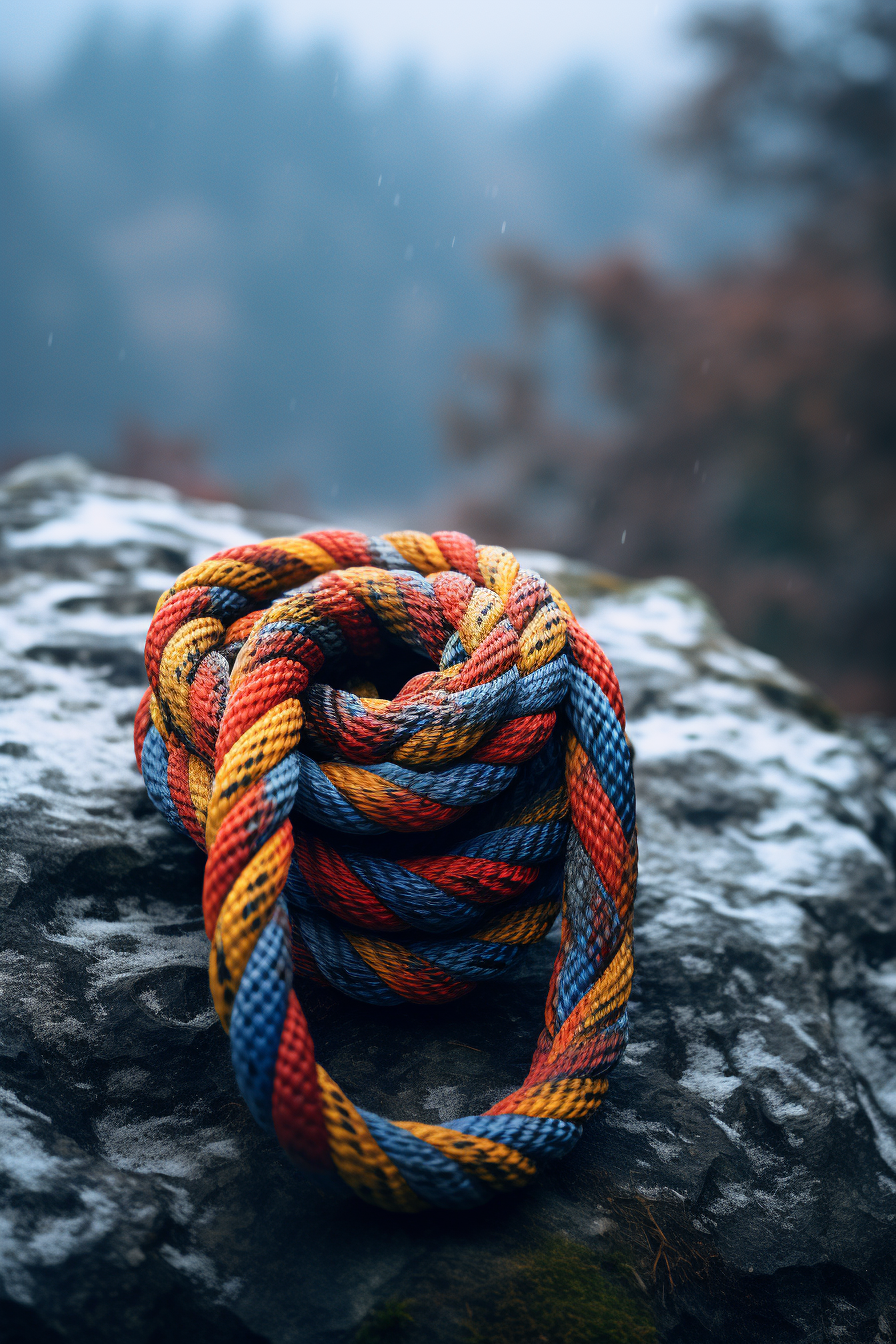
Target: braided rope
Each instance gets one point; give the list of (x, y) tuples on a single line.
[(319, 804)]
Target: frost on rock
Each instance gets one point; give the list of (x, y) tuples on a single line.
[(757, 1097)]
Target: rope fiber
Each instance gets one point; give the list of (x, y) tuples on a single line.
[(400, 849)]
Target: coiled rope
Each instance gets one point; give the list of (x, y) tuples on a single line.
[(399, 849)]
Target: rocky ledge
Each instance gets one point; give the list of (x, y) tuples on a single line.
[(738, 1184)]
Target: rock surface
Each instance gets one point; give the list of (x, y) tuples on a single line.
[(740, 1180)]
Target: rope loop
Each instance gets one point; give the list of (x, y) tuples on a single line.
[(403, 756)]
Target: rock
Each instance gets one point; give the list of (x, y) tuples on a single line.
[(738, 1183)]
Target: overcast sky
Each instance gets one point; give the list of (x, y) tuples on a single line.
[(514, 46)]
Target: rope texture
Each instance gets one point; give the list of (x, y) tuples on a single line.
[(398, 849)]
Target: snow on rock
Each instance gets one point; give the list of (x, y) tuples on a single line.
[(755, 1110)]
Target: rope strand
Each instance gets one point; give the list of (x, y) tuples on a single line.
[(399, 849)]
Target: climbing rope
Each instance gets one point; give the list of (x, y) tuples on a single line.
[(403, 848)]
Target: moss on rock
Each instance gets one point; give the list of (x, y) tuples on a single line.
[(563, 1294)]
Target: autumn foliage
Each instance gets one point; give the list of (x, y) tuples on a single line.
[(749, 440)]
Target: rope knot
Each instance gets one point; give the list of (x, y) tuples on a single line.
[(403, 755)]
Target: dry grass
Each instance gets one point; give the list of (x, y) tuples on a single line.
[(674, 1255)]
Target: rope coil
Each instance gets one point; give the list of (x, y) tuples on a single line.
[(403, 848)]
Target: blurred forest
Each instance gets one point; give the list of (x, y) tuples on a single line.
[(267, 255), (748, 416)]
